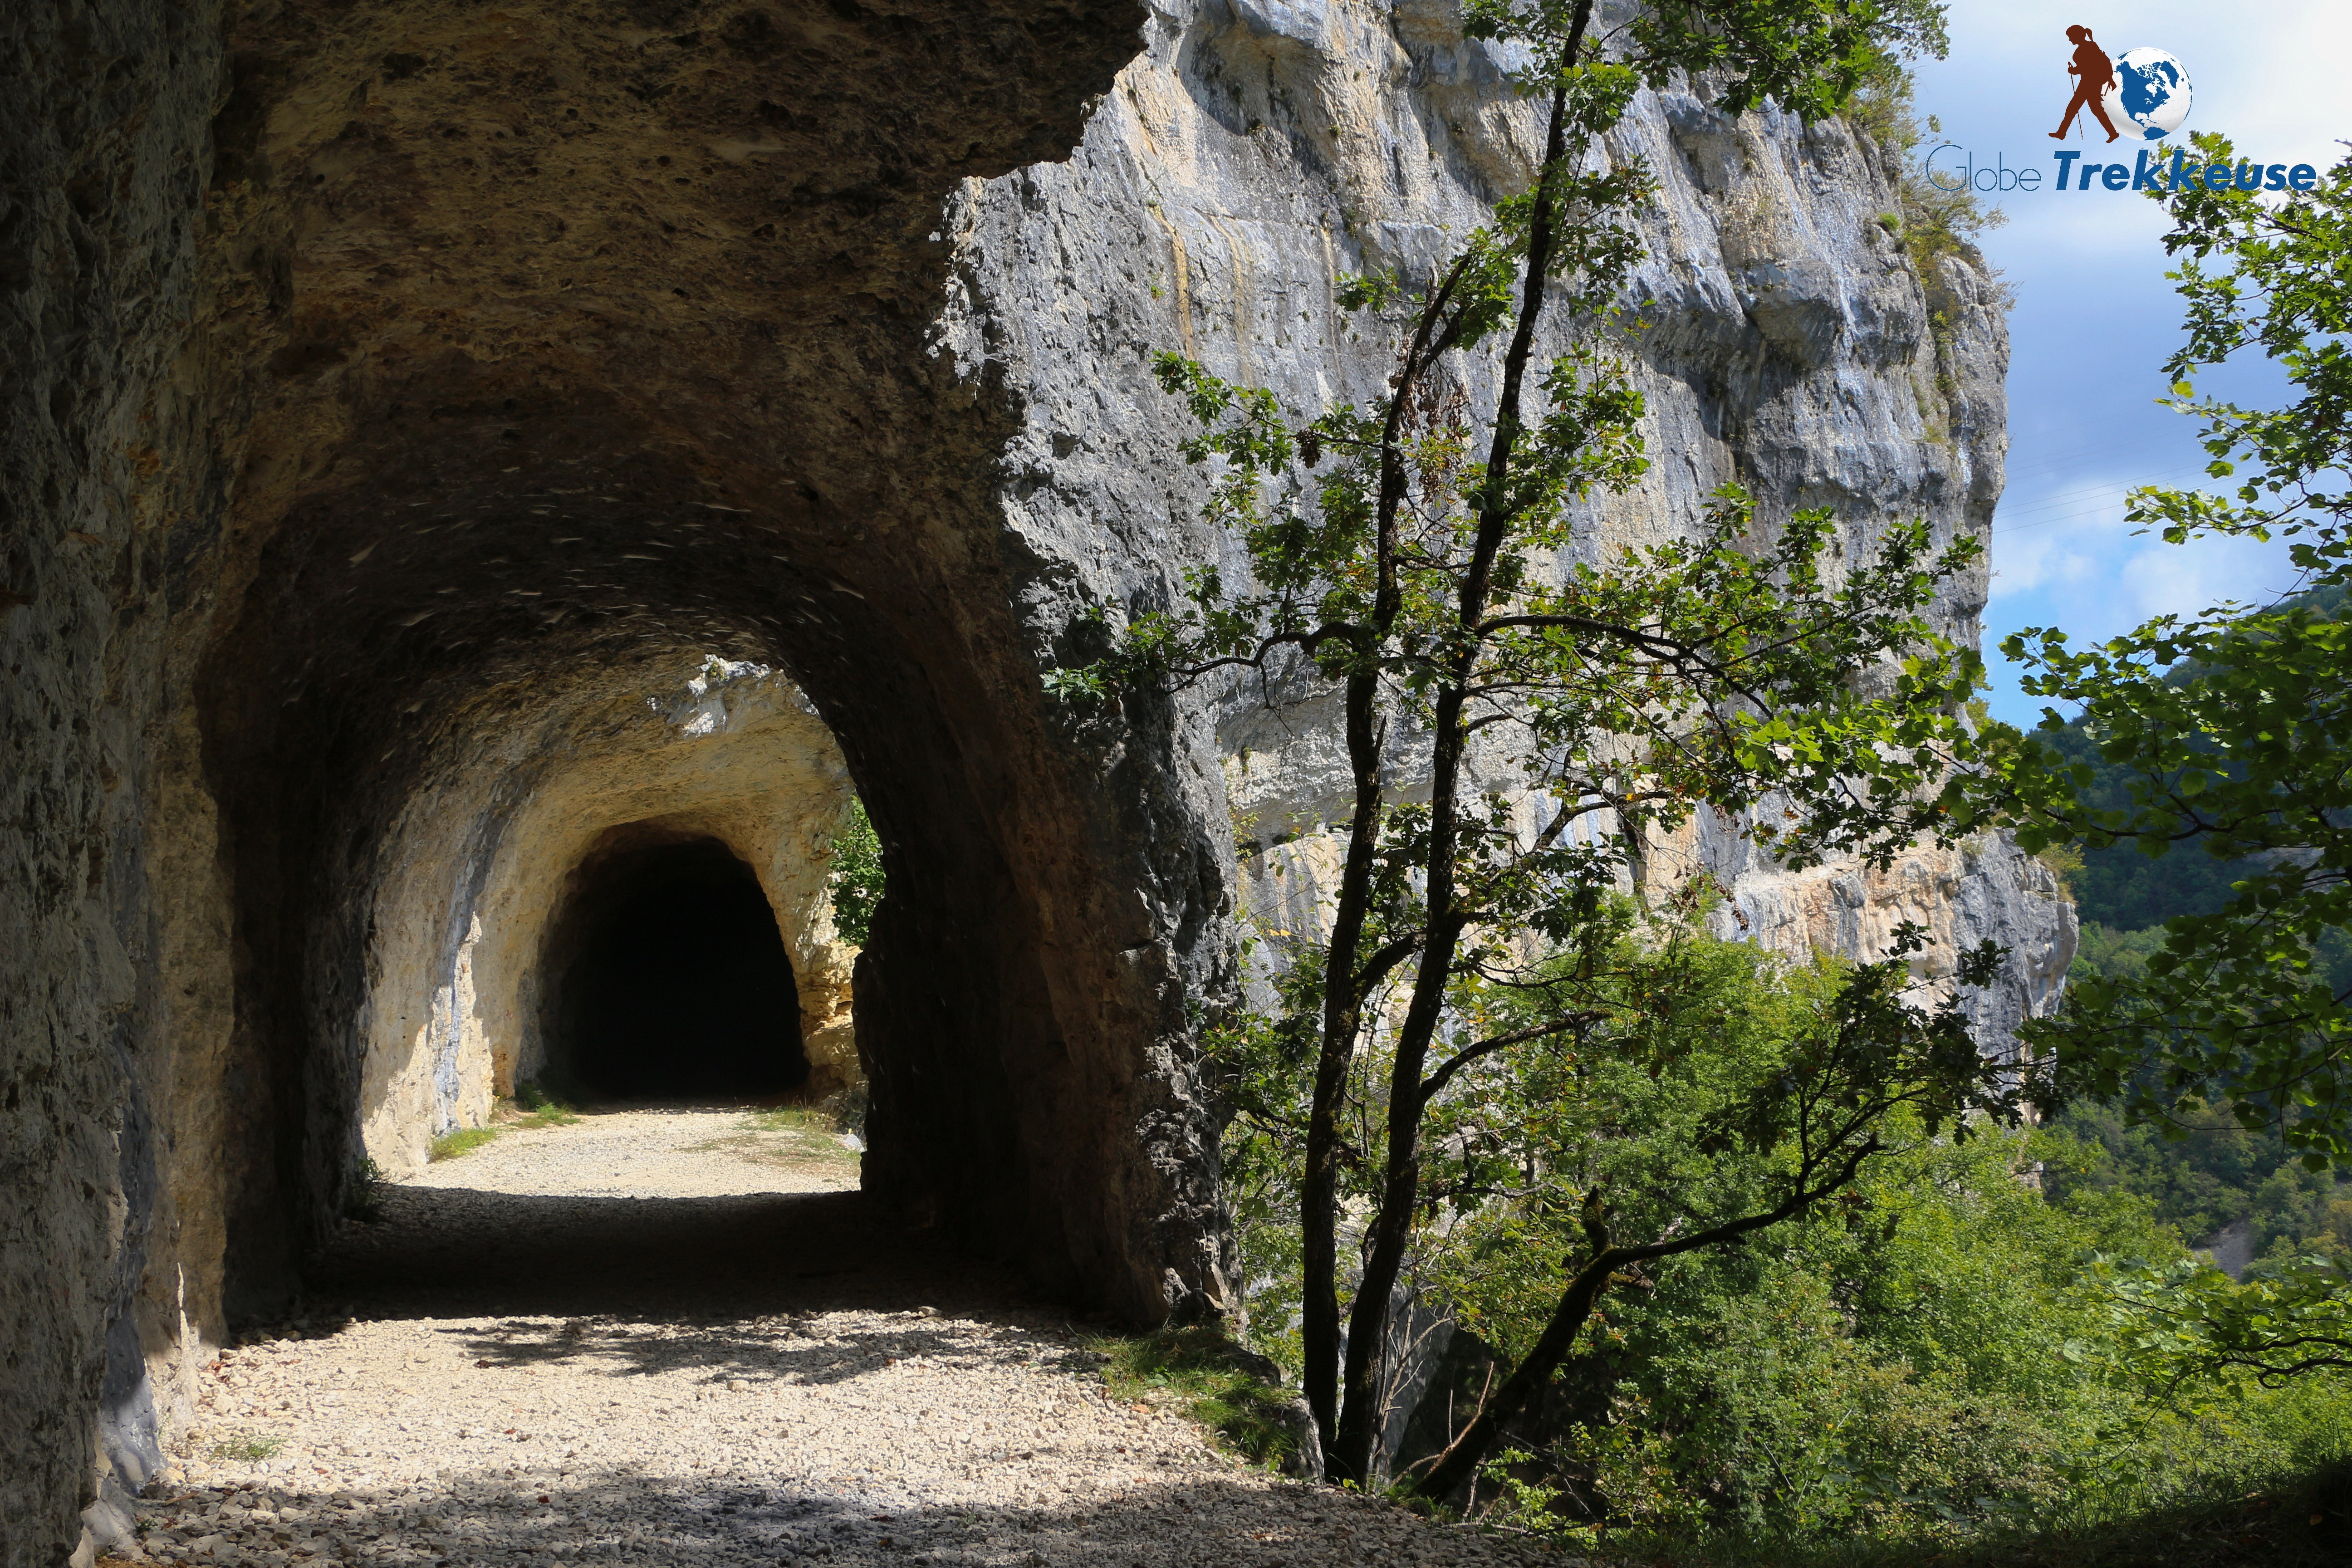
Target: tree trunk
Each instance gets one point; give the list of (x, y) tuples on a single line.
[(1350, 1456), (1319, 1196), (1460, 1462)]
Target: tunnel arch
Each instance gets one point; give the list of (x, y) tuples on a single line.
[(464, 927), (548, 387), (666, 975), (1004, 1010)]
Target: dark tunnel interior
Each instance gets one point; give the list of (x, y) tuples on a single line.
[(672, 982)]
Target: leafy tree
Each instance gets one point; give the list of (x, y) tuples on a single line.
[(1902, 1361), (1920, 1363), (856, 875), (2116, 885), (2220, 1174), (2230, 726), (2210, 1173), (2188, 1319), (1701, 1101), (1420, 573)]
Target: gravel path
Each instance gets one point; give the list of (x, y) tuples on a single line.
[(665, 1337)]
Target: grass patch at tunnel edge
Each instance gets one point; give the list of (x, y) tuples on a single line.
[(1209, 1378), (527, 1112), (533, 1106), (460, 1141), (788, 1137), (792, 1118)]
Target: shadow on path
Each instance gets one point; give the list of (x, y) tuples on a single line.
[(692, 1411), (627, 1519), (460, 1252)]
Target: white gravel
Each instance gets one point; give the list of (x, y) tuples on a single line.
[(664, 1337), (652, 1153)]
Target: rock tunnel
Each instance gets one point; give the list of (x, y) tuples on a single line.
[(617, 899), (573, 354), (425, 392)]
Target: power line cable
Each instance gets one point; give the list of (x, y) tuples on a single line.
[(2117, 491), (2048, 465)]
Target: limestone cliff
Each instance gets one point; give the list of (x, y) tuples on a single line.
[(1258, 150)]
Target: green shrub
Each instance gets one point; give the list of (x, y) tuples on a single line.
[(847, 1109), (1932, 223), (791, 1119), (857, 878), (1219, 1383), (363, 1192), (541, 1108)]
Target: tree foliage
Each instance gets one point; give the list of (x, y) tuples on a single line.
[(856, 875), (2188, 1319), (2220, 1177), (1762, 1095), (1939, 1357), (1563, 701), (2231, 727)]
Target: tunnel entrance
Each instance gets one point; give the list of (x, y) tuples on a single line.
[(671, 980)]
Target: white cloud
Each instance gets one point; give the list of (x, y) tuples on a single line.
[(2162, 579), (2101, 581)]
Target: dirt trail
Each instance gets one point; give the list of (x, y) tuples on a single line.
[(670, 1337)]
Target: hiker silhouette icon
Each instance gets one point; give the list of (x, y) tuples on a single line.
[(2093, 74)]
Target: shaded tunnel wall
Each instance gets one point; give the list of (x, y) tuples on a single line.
[(107, 1029)]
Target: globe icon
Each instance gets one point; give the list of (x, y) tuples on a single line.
[(2149, 93)]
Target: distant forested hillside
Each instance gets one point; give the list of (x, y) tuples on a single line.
[(2125, 889), (2217, 1177)]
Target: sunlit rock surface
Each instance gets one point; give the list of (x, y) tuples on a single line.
[(1256, 153)]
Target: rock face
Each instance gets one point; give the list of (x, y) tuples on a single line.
[(1785, 343), (103, 131), (400, 397)]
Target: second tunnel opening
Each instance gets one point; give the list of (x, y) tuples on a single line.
[(671, 979)]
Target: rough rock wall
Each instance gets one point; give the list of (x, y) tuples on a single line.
[(1261, 147), (102, 114)]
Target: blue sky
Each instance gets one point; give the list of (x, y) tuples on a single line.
[(2096, 316)]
